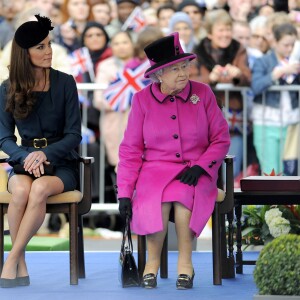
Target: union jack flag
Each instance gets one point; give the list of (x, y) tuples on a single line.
[(136, 20), (81, 62), (235, 120), (119, 93)]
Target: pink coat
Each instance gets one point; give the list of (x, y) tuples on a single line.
[(164, 135)]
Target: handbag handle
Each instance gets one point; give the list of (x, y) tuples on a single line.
[(127, 241)]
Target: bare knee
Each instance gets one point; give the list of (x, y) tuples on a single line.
[(39, 192), (20, 195)]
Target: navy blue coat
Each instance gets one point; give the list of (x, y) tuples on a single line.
[(55, 115)]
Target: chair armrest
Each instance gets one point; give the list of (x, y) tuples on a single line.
[(86, 160), (86, 185), (228, 203)]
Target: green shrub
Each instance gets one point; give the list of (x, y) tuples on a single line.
[(277, 270)]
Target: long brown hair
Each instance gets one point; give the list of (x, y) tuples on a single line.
[(21, 81)]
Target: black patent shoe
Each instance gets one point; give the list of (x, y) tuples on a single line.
[(185, 281), (149, 281)]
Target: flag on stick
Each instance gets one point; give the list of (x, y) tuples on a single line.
[(119, 93), (136, 20), (81, 63)]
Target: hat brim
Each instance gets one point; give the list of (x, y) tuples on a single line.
[(169, 62)]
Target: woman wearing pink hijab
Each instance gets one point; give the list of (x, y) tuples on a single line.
[(174, 144)]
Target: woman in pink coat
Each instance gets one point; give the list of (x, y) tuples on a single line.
[(174, 144)]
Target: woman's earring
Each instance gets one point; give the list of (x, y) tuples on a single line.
[(160, 80)]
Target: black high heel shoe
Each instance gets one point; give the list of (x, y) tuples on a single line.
[(23, 281), (185, 281), (8, 283), (149, 281)]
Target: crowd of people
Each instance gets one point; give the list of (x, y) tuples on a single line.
[(96, 40)]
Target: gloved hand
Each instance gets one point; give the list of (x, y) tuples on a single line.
[(125, 208), (192, 175)]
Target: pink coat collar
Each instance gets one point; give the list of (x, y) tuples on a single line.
[(184, 95)]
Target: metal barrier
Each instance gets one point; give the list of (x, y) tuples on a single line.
[(85, 87)]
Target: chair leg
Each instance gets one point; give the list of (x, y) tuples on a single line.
[(164, 259), (141, 254), (81, 262), (1, 237), (216, 246), (73, 236)]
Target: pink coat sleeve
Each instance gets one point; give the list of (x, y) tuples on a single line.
[(218, 136)]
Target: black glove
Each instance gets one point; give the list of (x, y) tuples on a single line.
[(125, 208), (192, 175)]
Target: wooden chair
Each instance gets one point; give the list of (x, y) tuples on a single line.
[(223, 258), (74, 203)]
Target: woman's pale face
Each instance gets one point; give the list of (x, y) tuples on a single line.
[(78, 10), (195, 15), (101, 13), (284, 46), (174, 78), (122, 46), (164, 17), (41, 54), (184, 30), (221, 35), (94, 39)]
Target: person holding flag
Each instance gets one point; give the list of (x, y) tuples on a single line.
[(125, 10), (112, 123)]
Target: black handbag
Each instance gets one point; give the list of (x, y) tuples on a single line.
[(128, 271), (49, 170)]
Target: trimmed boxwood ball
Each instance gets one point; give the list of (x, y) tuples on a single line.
[(277, 270)]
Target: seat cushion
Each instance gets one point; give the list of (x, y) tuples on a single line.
[(67, 197)]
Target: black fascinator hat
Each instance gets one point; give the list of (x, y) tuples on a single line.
[(31, 33)]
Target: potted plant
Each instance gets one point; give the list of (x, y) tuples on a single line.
[(261, 224), (277, 271)]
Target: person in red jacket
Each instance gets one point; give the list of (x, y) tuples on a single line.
[(173, 146)]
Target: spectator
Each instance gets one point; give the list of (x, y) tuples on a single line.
[(112, 122), (196, 13), (45, 6), (164, 14), (221, 59), (271, 117), (180, 22), (241, 32), (259, 44), (101, 11), (124, 9), (156, 4), (10, 9), (75, 14), (240, 10)]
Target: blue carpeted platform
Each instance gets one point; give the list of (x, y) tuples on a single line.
[(49, 273)]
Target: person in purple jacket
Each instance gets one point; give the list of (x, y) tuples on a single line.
[(173, 146)]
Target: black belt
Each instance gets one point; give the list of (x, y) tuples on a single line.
[(40, 143)]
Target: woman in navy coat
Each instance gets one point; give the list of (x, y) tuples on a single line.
[(174, 144), (43, 104)]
